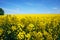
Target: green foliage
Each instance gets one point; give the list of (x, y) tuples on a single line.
[(1, 11)]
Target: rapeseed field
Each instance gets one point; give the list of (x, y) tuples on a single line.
[(30, 27)]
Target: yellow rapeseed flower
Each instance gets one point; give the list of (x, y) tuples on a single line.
[(30, 27), (28, 36), (39, 34), (21, 35), (13, 28), (1, 31), (20, 25)]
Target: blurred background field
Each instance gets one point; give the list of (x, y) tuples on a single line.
[(30, 27)]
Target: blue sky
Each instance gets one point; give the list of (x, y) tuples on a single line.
[(30, 6)]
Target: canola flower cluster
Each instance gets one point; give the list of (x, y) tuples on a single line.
[(29, 28)]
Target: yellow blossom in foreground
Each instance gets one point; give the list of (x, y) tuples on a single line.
[(20, 25), (1, 31), (39, 34), (45, 33), (30, 27), (13, 28), (21, 35), (28, 35)]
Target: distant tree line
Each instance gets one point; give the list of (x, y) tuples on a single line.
[(1, 11)]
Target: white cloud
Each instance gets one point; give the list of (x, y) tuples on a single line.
[(55, 8), (10, 11)]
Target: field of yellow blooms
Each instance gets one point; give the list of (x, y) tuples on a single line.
[(30, 27)]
